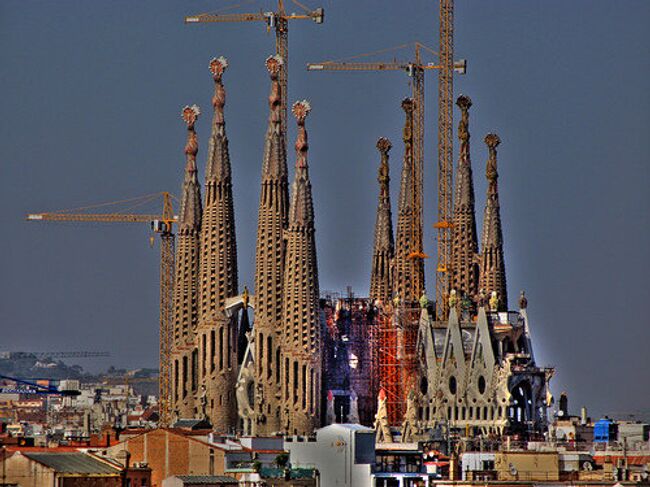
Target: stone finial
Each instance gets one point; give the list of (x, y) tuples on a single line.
[(273, 65), (384, 145), (408, 105), (464, 103), (523, 301), (190, 114), (217, 67), (492, 141), (300, 110)]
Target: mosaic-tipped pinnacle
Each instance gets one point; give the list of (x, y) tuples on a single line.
[(217, 66), (300, 110), (189, 114), (273, 64)]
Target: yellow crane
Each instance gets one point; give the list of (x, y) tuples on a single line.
[(415, 70), (278, 20), (162, 224)]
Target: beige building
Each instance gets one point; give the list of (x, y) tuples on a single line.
[(169, 453), (69, 469)]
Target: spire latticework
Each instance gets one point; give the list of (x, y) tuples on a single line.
[(464, 251), (408, 273), (381, 278), (269, 275), (217, 334), (301, 317), (493, 269), (186, 276)]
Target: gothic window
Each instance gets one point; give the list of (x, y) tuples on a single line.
[(481, 384), (221, 348), (452, 385), (212, 349)]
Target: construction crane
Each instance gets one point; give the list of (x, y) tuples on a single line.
[(445, 155), (278, 20), (162, 224), (414, 69), (38, 355)]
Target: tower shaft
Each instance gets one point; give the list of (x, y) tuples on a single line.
[(301, 392), (185, 308), (464, 255), (217, 333), (269, 265), (492, 266), (381, 278), (408, 277)]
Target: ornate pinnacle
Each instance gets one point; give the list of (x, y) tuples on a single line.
[(492, 141), (273, 64), (190, 115), (384, 146), (217, 67), (300, 110), (464, 102), (407, 135)]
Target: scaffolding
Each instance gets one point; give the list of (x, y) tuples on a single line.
[(393, 341)]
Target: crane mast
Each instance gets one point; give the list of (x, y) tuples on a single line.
[(445, 155), (163, 225)]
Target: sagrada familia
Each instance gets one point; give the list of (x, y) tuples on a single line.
[(309, 360)]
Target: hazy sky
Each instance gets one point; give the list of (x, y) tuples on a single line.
[(91, 99)]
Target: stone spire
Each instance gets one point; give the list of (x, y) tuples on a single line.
[(464, 240), (219, 246), (381, 281), (493, 269), (408, 273), (186, 275), (217, 333), (269, 264), (301, 394)]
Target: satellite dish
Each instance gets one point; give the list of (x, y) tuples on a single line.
[(587, 466)]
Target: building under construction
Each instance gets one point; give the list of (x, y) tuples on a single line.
[(394, 359)]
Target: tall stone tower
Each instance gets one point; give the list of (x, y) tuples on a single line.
[(217, 333), (381, 278), (269, 265), (464, 243), (493, 268), (302, 370), (408, 273), (184, 380)]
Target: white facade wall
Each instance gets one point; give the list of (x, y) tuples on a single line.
[(342, 453)]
